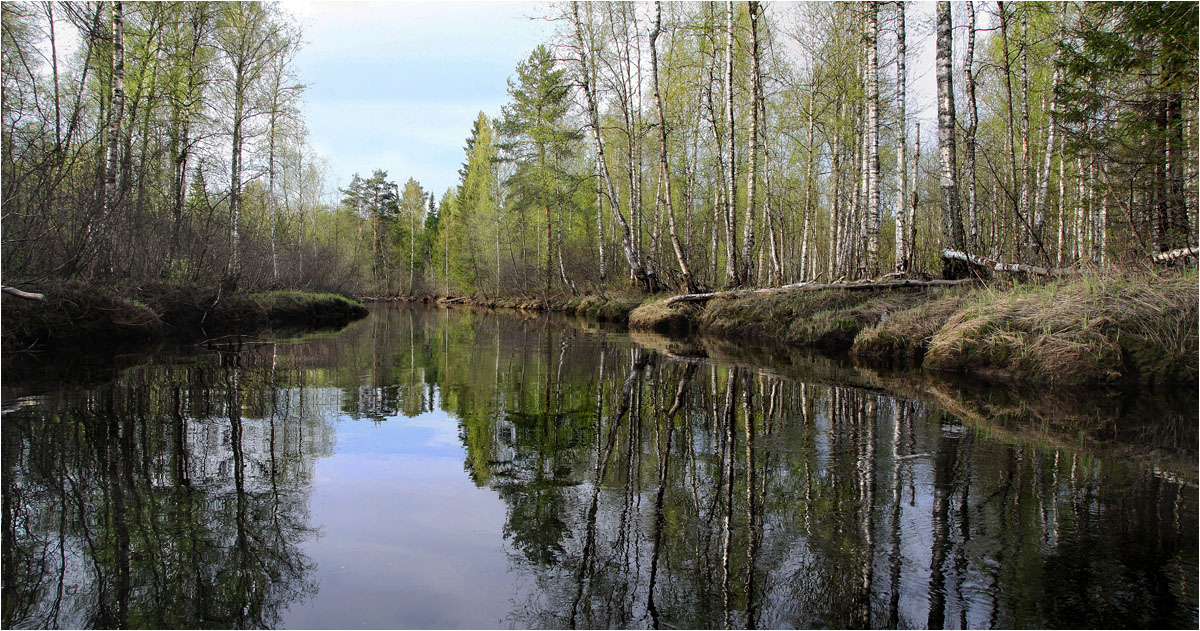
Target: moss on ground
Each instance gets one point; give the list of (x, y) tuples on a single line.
[(297, 307)]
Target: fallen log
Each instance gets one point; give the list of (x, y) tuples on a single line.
[(997, 266), (13, 291), (1174, 255), (853, 285)]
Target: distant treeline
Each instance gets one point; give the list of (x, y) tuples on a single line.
[(673, 146)]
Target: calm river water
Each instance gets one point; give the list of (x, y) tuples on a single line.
[(449, 468)]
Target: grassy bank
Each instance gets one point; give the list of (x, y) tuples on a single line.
[(1090, 329), (75, 314)]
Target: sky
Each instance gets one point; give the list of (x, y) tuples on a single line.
[(397, 85)]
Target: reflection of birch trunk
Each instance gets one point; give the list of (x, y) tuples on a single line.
[(902, 409), (964, 526), (663, 465), (866, 414), (589, 543), (727, 418), (239, 474), (120, 527), (942, 486), (751, 504)]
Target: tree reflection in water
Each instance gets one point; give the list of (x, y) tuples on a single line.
[(176, 496), (643, 489)]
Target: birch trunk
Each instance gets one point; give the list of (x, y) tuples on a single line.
[(731, 264), (1040, 201), (1099, 218), (872, 165), (1062, 206), (1080, 208), (916, 197), (664, 164), (972, 127), (1026, 164), (600, 220), (1043, 192), (809, 185), (235, 172), (115, 113), (1008, 137), (752, 162), (835, 212), (901, 145), (719, 217), (952, 229)]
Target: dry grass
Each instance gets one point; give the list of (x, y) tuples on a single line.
[(657, 317), (829, 320), (905, 336), (1090, 330)]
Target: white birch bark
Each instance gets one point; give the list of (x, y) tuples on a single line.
[(752, 161), (731, 265), (972, 128), (901, 262), (952, 231), (1026, 163), (872, 158), (115, 113)]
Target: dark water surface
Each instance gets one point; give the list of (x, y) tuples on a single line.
[(433, 468)]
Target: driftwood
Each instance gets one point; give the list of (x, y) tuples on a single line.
[(997, 266), (1174, 255), (862, 284), (13, 291)]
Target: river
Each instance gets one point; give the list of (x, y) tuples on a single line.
[(437, 468)]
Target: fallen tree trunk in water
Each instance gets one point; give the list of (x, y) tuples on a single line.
[(997, 266), (1174, 255), (862, 285), (13, 291)]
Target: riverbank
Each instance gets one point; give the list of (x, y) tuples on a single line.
[(77, 314), (1091, 329)]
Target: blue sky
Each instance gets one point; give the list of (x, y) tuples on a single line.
[(396, 85)]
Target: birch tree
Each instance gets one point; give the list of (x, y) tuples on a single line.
[(585, 59), (902, 142), (872, 174), (952, 229), (664, 172)]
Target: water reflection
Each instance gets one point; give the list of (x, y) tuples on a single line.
[(173, 497), (640, 488)]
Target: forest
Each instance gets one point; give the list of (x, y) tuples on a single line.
[(664, 146)]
